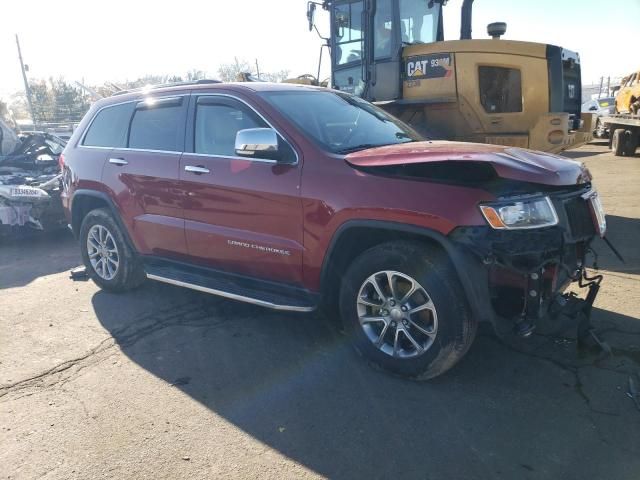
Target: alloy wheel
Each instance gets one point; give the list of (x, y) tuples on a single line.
[(397, 314), (103, 252)]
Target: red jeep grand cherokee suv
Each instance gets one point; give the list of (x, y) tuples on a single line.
[(291, 197)]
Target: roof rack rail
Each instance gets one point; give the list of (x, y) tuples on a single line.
[(202, 81)]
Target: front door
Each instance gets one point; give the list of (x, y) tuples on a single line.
[(241, 216)]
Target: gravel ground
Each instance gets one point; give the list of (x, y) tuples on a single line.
[(169, 383)]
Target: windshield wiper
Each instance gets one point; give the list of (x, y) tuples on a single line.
[(362, 146)]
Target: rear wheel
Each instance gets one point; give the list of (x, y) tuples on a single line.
[(405, 310), (632, 144), (624, 142), (109, 260), (618, 142)]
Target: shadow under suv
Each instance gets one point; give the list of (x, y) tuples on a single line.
[(291, 197)]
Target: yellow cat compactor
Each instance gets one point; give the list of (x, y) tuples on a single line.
[(393, 53)]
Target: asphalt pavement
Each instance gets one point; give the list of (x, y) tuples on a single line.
[(169, 383)]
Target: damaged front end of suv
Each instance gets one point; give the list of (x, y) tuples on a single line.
[(533, 247), (30, 184), (536, 239)]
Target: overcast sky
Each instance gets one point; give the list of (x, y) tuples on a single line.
[(118, 40)]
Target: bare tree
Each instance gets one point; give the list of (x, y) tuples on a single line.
[(228, 72), (193, 75), (275, 76)]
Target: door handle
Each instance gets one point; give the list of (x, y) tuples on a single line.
[(118, 161), (197, 169)]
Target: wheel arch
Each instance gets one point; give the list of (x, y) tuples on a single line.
[(85, 200), (355, 236)]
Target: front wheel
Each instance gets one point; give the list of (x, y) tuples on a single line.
[(405, 310), (601, 131)]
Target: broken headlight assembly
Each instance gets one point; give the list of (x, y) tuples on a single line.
[(523, 213)]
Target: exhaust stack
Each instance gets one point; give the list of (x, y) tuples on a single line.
[(465, 20)]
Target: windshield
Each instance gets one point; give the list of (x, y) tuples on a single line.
[(340, 123), (606, 102), (418, 21)]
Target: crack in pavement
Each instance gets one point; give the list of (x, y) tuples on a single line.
[(574, 370), (60, 368), (184, 315)]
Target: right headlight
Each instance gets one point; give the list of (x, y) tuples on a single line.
[(520, 214)]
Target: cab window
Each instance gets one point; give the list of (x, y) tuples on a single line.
[(418, 21), (382, 34), (348, 32)]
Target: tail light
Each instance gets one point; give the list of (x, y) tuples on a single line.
[(61, 162)]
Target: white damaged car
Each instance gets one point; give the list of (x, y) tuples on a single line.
[(30, 183)]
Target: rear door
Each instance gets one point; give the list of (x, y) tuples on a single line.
[(241, 216), (144, 178)]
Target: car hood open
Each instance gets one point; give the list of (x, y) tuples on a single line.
[(508, 162)]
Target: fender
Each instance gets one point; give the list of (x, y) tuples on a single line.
[(471, 273), (75, 222)]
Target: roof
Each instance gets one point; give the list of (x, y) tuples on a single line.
[(182, 88)]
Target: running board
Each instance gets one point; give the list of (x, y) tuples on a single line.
[(229, 286)]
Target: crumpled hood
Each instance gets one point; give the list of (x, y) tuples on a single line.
[(508, 162)]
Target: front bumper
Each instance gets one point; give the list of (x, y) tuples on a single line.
[(518, 275)]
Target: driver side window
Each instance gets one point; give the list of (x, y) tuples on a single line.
[(217, 125)]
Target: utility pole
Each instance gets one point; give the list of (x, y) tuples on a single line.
[(27, 90), (600, 88), (257, 69)]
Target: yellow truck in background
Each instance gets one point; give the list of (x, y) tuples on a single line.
[(628, 97)]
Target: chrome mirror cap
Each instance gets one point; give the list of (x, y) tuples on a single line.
[(257, 142)]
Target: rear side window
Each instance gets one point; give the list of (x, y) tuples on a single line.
[(158, 126), (109, 127), (500, 89)]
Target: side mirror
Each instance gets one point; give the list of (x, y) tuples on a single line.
[(593, 108), (257, 143), (311, 13)]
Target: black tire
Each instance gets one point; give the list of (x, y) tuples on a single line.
[(600, 131), (456, 327), (618, 142), (631, 144), (129, 273)]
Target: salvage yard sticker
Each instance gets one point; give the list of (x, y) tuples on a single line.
[(435, 65)]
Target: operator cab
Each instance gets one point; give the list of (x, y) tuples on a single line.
[(367, 40)]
